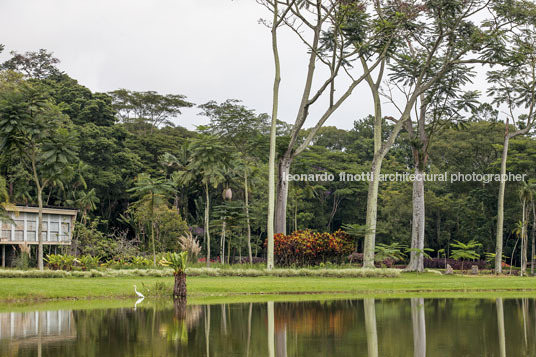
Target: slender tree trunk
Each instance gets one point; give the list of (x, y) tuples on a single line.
[(207, 231), (282, 196), (222, 243), (228, 250), (39, 217), (500, 208), (179, 289), (273, 133), (152, 229), (416, 262), (374, 183), (152, 242), (533, 239), (372, 212), (296, 215), (419, 327), (370, 327), (248, 223), (524, 240)]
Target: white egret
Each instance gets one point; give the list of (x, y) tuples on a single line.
[(137, 302), (138, 293)]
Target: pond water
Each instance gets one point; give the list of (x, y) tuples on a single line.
[(366, 327)]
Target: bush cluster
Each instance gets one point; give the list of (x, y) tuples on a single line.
[(306, 248), (166, 272), (439, 263)]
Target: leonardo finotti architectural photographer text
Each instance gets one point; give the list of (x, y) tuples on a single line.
[(407, 176)]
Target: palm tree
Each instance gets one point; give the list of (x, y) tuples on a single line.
[(178, 262), (154, 189), (208, 160)]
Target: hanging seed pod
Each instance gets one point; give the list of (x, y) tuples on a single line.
[(227, 194)]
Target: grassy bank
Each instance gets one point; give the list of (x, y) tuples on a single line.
[(248, 272), (207, 288)]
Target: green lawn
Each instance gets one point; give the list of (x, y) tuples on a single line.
[(209, 288)]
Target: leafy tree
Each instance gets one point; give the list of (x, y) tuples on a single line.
[(4, 202), (336, 35), (148, 107), (515, 87), (153, 190), (86, 202), (438, 40), (465, 251), (37, 65), (178, 262), (245, 130), (393, 251), (208, 160), (33, 129)]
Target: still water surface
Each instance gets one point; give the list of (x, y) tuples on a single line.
[(381, 327)]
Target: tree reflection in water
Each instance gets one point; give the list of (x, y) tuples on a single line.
[(418, 321), (380, 327)]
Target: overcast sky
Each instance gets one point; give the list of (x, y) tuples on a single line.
[(204, 49)]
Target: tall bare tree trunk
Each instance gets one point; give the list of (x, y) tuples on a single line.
[(374, 183), (39, 217), (222, 243), (524, 240), (500, 207), (248, 222), (207, 230), (416, 262), (282, 196), (273, 133), (533, 252), (372, 213)]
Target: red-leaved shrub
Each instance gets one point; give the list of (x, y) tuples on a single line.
[(311, 248)]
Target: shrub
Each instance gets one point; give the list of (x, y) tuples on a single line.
[(87, 262), (60, 262), (140, 261), (245, 260), (311, 248), (439, 263), (189, 244), (355, 257)]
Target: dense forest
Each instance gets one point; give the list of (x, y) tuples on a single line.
[(116, 149), (142, 184)]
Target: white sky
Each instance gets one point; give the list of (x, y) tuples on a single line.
[(204, 49)]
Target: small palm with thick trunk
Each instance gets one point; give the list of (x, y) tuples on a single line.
[(178, 262)]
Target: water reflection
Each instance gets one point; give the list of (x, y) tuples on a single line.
[(418, 322), (390, 327)]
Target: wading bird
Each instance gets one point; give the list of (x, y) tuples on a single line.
[(138, 293)]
